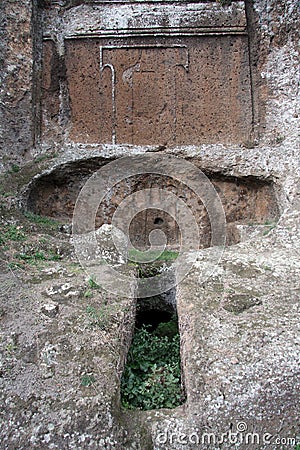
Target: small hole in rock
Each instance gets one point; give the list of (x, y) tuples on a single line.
[(158, 221)]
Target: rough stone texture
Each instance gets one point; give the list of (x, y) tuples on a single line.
[(275, 55), (38, 410), (245, 201), (50, 87), (141, 18), (16, 76), (196, 92), (249, 336), (134, 88), (273, 31), (60, 376)]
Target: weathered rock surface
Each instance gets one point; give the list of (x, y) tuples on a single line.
[(60, 373), (63, 339)]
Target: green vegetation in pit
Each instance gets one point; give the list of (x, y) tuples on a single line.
[(152, 375), (137, 256)]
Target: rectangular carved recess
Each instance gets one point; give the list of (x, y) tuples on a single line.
[(163, 74)]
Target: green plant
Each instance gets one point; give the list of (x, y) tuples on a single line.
[(224, 2), (11, 347), (37, 256), (87, 380), (92, 284), (168, 255), (152, 376), (11, 233), (297, 447), (268, 223), (52, 256), (270, 228), (169, 329), (14, 168), (147, 271), (75, 268), (15, 265), (32, 257), (88, 294), (139, 256), (41, 220), (45, 157), (6, 194), (100, 317), (279, 139)]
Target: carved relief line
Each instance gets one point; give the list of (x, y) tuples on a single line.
[(102, 65), (113, 91)]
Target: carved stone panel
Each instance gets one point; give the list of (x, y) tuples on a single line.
[(157, 74), (144, 94)]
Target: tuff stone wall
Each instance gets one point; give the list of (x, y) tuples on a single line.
[(245, 201), (147, 74), (269, 92), (17, 47), (60, 367), (197, 91), (274, 38)]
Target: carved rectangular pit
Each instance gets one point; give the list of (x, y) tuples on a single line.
[(152, 377)]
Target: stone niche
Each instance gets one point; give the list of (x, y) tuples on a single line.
[(146, 73), (246, 201)]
